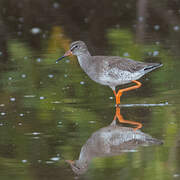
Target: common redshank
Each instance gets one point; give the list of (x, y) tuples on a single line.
[(110, 70)]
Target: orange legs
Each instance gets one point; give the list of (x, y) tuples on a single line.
[(121, 119), (118, 113), (120, 92)]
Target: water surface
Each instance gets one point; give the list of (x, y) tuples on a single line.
[(49, 112)]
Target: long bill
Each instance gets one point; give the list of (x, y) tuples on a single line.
[(68, 53)]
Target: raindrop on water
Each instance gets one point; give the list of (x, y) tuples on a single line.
[(82, 82), (156, 27), (41, 97), (55, 5), (38, 59), (23, 75), (176, 28), (20, 124), (24, 161), (35, 30), (21, 19), (150, 53), (36, 133), (21, 114), (117, 26), (19, 33), (141, 18), (3, 113), (86, 20), (176, 175), (157, 42), (92, 122), (12, 99), (35, 137), (50, 75), (44, 36), (49, 162), (155, 53), (55, 158), (126, 54), (30, 96)]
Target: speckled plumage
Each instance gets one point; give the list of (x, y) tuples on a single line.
[(110, 70)]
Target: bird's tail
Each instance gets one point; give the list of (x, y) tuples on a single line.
[(154, 141), (152, 66)]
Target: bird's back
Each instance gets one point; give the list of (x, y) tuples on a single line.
[(115, 70), (124, 64)]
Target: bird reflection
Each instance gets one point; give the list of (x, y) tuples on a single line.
[(110, 141)]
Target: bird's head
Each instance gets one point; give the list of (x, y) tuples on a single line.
[(76, 48)]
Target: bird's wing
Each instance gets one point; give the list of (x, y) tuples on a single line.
[(124, 64)]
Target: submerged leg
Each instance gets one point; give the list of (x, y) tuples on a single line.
[(120, 92)]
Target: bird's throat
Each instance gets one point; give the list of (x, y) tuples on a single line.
[(85, 60)]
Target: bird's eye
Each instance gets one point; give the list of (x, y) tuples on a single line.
[(74, 47)]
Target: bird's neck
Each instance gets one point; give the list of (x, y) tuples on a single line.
[(84, 60)]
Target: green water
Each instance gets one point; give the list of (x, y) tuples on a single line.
[(48, 111)]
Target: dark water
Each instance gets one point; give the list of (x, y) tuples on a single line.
[(53, 113)]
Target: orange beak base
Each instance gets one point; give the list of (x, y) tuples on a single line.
[(68, 53)]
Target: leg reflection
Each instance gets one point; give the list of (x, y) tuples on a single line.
[(122, 120)]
